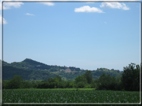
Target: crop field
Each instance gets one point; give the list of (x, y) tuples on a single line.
[(68, 96)]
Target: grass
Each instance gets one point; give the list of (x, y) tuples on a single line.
[(69, 95), (56, 89), (71, 89)]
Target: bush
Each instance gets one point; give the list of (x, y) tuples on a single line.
[(107, 82)]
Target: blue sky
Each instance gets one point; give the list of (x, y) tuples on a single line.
[(81, 34)]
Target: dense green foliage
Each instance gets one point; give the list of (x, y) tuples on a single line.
[(107, 82), (131, 77), (15, 82), (68, 96), (56, 82), (128, 81)]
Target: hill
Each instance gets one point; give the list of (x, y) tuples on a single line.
[(30, 69)]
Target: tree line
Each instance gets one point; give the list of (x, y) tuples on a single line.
[(130, 80)]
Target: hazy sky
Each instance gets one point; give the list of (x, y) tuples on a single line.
[(81, 34)]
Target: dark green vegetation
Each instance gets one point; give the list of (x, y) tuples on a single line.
[(68, 96), (128, 79), (108, 86), (131, 77), (29, 69), (104, 82)]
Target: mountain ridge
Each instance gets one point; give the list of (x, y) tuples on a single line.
[(30, 69)]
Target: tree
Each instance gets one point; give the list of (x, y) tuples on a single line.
[(107, 82), (131, 77), (55, 82), (88, 76), (80, 81), (15, 82), (26, 84), (5, 84)]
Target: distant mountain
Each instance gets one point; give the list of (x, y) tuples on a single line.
[(30, 69), (31, 64)]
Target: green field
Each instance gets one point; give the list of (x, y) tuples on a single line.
[(68, 96)]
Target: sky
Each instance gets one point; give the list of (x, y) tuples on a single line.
[(88, 35)]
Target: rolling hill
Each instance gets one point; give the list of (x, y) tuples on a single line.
[(30, 69)]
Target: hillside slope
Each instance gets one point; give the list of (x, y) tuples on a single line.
[(30, 69)]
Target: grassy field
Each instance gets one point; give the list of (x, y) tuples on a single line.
[(68, 96)]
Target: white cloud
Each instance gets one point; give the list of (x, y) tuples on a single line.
[(2, 19), (29, 14), (115, 5), (48, 3), (9, 5), (88, 9)]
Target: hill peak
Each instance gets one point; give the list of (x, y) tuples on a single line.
[(27, 59), (30, 61), (33, 62)]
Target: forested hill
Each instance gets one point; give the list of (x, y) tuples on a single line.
[(30, 69)]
